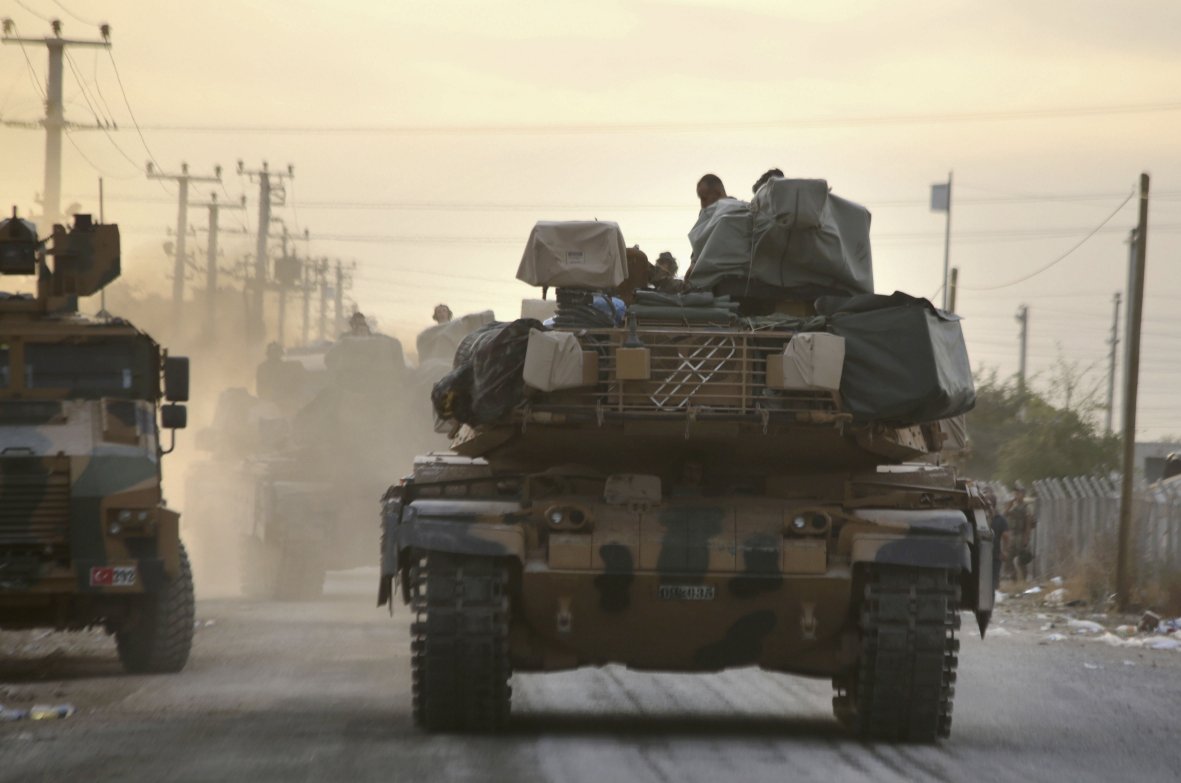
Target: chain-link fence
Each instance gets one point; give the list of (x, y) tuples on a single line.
[(1078, 522)]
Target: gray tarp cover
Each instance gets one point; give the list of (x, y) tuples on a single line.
[(793, 234), (905, 361), (574, 254)]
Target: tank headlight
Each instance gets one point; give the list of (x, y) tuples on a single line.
[(115, 528), (571, 518), (124, 516), (144, 516), (799, 523)]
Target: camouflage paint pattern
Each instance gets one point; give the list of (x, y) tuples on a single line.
[(82, 519), (695, 583)]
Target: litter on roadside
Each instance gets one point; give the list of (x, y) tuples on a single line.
[(51, 711), (37, 712), (1149, 622), (1085, 626), (1056, 597)]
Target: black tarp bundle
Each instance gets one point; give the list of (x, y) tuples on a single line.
[(905, 360), (488, 379)]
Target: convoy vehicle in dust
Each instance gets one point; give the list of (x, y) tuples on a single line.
[(85, 536), (287, 491), (743, 474)]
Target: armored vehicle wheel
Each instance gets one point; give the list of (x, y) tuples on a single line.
[(904, 681), (459, 643), (161, 637)]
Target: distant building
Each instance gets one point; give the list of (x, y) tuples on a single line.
[(1150, 458)]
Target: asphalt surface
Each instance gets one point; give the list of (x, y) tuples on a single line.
[(320, 691)]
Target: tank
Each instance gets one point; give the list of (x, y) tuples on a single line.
[(745, 473), (294, 470), (86, 538)]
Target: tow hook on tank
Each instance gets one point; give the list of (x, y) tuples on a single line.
[(565, 618), (808, 620)]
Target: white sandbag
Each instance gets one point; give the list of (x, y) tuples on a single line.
[(812, 360), (553, 360)]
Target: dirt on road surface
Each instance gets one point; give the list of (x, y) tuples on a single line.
[(320, 691)]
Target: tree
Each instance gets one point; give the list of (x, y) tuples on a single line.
[(1025, 437)]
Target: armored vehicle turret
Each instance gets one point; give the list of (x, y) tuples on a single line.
[(86, 538), (745, 473)]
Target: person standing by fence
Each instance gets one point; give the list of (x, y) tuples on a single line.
[(1000, 536), (1021, 522)]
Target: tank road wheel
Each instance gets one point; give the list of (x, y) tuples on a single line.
[(459, 643), (903, 685), (161, 637)]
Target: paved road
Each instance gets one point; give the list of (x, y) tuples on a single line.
[(319, 691)]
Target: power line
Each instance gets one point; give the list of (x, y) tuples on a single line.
[(684, 127), (93, 165), (60, 5), (443, 206), (1079, 244), (130, 112), (29, 63), (34, 13)]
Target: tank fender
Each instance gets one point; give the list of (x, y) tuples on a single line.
[(921, 538), (914, 551), (462, 527)]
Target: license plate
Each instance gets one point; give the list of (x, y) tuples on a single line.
[(687, 592), (112, 576)]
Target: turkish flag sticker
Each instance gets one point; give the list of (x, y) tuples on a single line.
[(102, 576)]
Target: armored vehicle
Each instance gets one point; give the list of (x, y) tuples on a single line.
[(742, 474), (294, 470), (85, 536)]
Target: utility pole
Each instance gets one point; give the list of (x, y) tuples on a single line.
[(955, 280), (1127, 352), (271, 192), (54, 121), (215, 208), (1023, 319), (941, 202), (1123, 577), (1113, 342), (282, 268), (339, 297), (322, 274), (182, 223)]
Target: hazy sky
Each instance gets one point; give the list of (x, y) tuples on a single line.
[(484, 117)]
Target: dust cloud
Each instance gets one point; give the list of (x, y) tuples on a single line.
[(279, 474)]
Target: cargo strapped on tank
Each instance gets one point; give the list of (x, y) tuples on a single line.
[(695, 372)]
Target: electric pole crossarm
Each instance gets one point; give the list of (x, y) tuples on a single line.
[(54, 122), (182, 181), (55, 41)]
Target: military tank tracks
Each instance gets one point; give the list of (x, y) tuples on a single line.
[(459, 643), (904, 683)]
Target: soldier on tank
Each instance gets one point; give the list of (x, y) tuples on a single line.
[(766, 177), (664, 274), (442, 314), (710, 190)]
